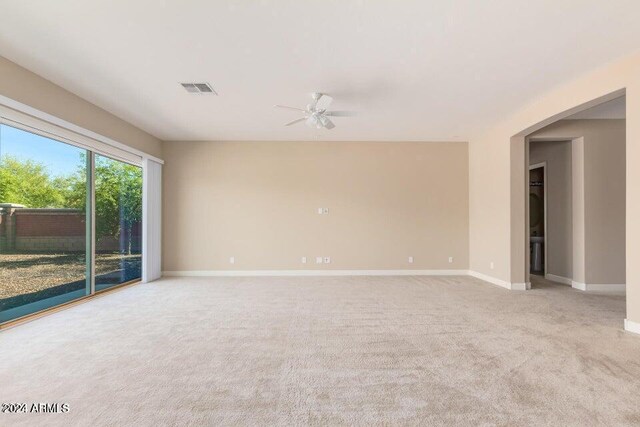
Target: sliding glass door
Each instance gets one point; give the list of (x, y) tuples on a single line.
[(50, 251), (43, 223), (118, 203)]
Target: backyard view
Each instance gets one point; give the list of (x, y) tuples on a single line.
[(27, 278), (43, 222)]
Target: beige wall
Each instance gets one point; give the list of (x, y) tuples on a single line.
[(494, 155), (258, 201), (24, 86), (603, 201), (605, 207), (558, 235)]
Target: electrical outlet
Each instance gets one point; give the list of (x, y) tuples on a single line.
[(450, 259), (303, 260), (318, 260), (410, 260), (491, 265), (327, 260), (232, 260), (319, 211)]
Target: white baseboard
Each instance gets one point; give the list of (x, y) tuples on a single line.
[(293, 273), (630, 326), (265, 273), (500, 282), (579, 286), (520, 286), (558, 279), (599, 287)]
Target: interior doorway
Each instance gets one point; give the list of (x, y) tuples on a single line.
[(576, 201)]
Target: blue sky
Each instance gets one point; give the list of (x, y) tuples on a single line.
[(58, 157)]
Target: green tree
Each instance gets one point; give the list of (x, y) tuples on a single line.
[(27, 183), (118, 199), (118, 192), (73, 189)]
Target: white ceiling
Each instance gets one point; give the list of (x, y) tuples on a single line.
[(614, 109), (413, 69)]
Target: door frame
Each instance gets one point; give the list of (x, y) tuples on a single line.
[(542, 165)]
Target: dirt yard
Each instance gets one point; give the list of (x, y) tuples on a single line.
[(26, 273)]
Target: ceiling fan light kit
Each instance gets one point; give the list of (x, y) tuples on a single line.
[(316, 114)]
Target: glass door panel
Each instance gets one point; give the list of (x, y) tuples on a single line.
[(44, 226), (118, 216)]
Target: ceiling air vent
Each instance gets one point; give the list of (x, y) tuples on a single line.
[(198, 88)]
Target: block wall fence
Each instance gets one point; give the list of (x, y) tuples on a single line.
[(50, 230)]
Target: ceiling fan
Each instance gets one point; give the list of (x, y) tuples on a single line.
[(317, 114)]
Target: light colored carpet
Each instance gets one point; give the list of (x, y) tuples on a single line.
[(328, 351)]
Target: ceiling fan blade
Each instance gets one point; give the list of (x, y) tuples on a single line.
[(296, 121), (323, 102), (289, 108), (328, 124), (340, 113)]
